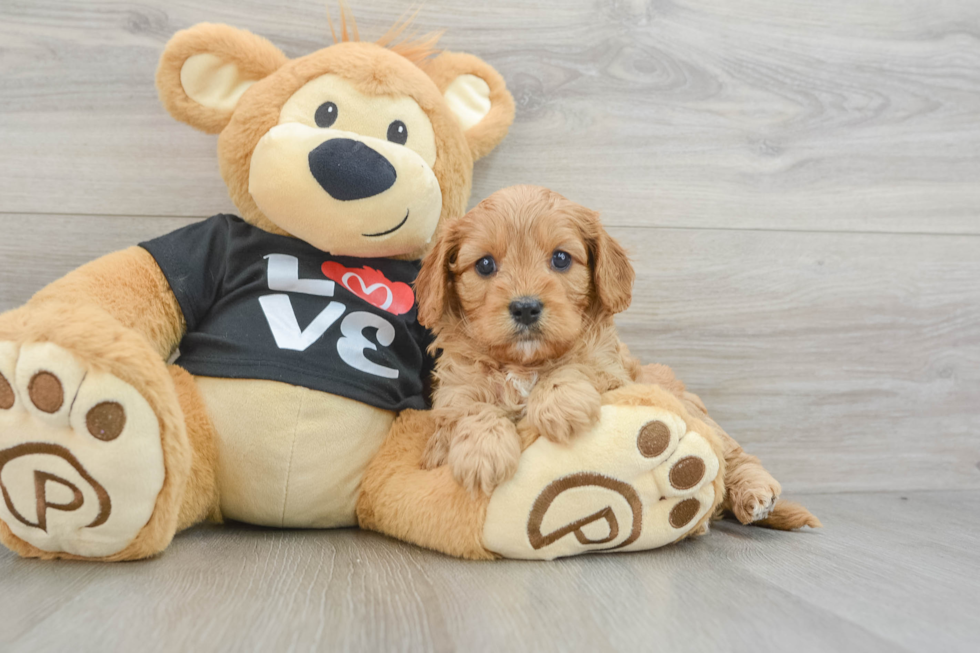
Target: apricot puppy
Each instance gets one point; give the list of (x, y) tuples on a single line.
[(520, 293)]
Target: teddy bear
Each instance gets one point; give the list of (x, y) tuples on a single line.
[(298, 391)]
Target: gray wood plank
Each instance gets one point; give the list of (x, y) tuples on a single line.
[(877, 578), (802, 115), (925, 544), (37, 249), (846, 361)]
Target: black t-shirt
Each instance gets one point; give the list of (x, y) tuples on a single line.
[(262, 306)]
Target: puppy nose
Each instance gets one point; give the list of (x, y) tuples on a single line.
[(526, 310), (350, 170)]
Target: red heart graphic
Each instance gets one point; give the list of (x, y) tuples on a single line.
[(371, 285)]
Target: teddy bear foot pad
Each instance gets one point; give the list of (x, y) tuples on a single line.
[(638, 480), (81, 462)]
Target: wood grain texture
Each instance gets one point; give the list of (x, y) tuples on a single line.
[(846, 361), (836, 115), (889, 573), (38, 249), (797, 182)]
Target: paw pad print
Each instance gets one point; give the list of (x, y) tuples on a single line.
[(638, 480), (81, 462)]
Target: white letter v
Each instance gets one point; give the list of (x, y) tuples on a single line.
[(285, 329)]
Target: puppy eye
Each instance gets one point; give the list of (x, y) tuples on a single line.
[(326, 114), (561, 261), (486, 266), (397, 132)]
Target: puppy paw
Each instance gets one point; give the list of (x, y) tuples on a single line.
[(484, 452), (753, 499), (561, 411)]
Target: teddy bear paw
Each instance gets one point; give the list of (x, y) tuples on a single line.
[(638, 480), (81, 461)]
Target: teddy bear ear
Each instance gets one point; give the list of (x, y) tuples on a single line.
[(477, 96), (205, 70)]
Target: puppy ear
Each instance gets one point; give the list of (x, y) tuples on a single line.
[(204, 71), (432, 285), (477, 96), (612, 272)]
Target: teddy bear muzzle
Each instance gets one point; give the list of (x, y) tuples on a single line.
[(343, 192)]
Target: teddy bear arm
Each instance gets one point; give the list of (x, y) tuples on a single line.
[(130, 287), (426, 507)]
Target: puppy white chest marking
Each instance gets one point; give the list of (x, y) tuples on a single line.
[(527, 348), (522, 383)]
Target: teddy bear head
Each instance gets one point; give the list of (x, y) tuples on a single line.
[(359, 149)]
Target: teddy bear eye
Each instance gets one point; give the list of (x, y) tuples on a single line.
[(486, 266), (397, 132), (326, 114), (561, 261)]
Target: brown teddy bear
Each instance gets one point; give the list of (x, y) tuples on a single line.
[(298, 339)]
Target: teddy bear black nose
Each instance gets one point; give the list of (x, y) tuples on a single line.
[(350, 170), (526, 310)]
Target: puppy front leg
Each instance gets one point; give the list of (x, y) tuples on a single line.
[(562, 405), (479, 443)]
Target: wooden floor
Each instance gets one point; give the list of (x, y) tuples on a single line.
[(890, 572), (799, 185)]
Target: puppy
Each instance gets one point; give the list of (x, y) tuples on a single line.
[(520, 294)]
